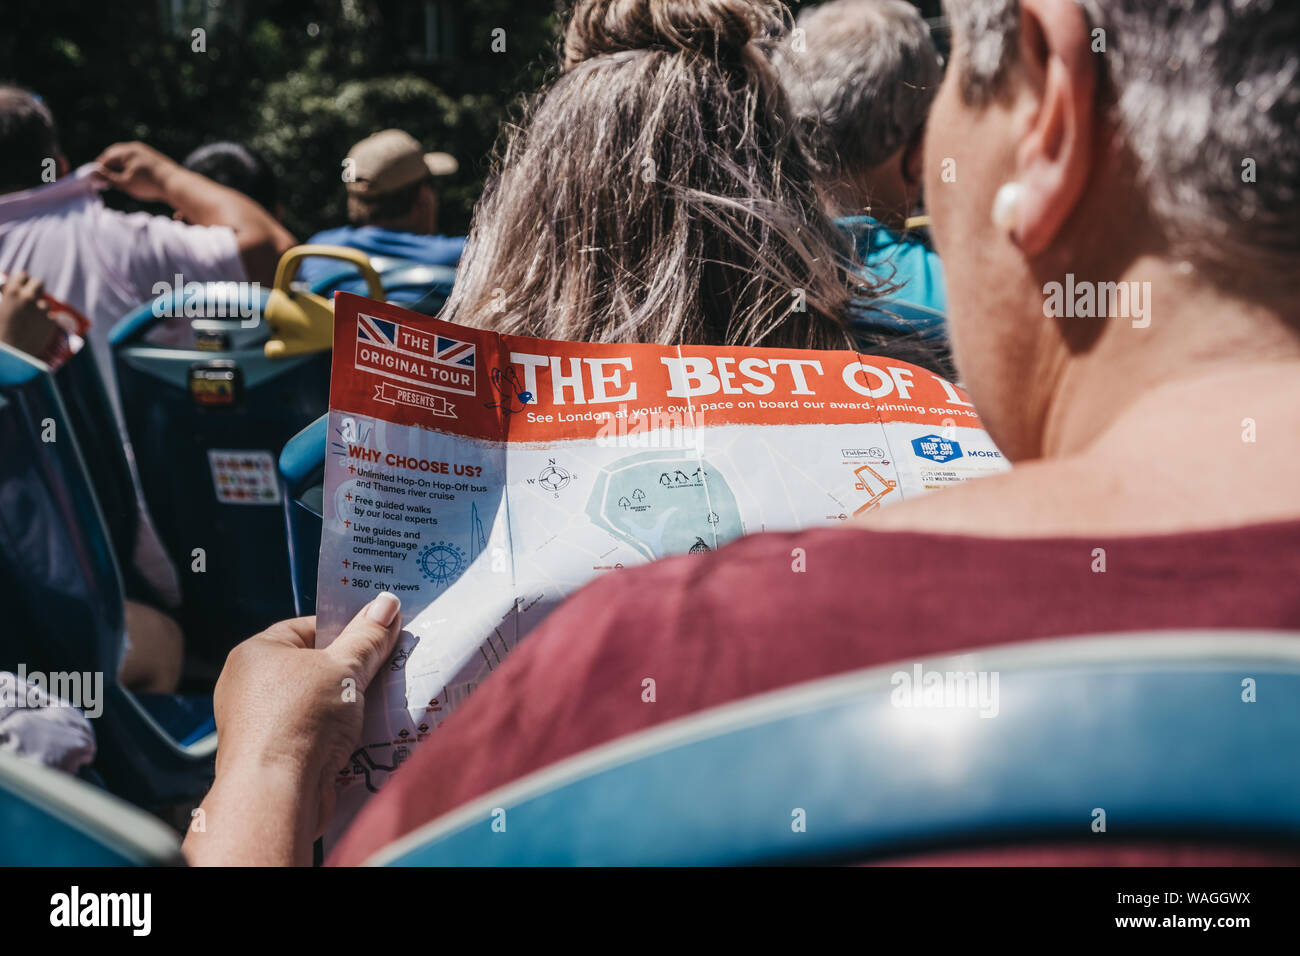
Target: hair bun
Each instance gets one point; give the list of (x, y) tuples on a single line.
[(712, 28)]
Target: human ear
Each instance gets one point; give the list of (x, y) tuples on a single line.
[(1055, 154)]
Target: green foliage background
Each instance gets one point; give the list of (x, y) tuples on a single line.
[(299, 80)]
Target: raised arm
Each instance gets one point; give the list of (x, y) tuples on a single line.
[(146, 174)]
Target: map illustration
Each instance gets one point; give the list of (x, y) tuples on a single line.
[(664, 503), (484, 479)]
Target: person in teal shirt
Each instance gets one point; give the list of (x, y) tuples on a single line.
[(861, 85), (903, 258)]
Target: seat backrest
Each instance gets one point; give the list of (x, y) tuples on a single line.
[(897, 315), (1164, 736), (49, 818), (62, 589), (302, 478), (347, 277), (206, 426), (91, 416), (416, 285), (421, 288)]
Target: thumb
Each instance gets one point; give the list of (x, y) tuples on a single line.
[(113, 155), (111, 177), (32, 288), (368, 639)]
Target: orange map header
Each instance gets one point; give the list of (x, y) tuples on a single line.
[(398, 366)]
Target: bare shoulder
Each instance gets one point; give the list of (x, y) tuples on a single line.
[(1112, 495), (1040, 498), (996, 505), (1185, 459)]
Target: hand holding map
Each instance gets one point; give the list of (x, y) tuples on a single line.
[(483, 478)]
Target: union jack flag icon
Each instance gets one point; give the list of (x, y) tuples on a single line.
[(376, 331), (453, 352)]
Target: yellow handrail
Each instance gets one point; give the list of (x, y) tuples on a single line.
[(302, 322)]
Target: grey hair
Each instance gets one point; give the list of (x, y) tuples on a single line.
[(1199, 87), (861, 79)]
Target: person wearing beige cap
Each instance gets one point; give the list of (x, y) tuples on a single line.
[(392, 205)]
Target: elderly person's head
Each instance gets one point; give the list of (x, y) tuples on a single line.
[(1151, 145), (861, 75)]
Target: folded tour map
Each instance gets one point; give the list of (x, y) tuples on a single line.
[(485, 477)]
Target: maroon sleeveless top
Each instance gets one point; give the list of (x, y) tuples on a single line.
[(714, 628)]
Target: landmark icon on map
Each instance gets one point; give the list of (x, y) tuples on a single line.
[(665, 502), (442, 563)]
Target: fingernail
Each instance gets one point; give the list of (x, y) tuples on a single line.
[(384, 608)]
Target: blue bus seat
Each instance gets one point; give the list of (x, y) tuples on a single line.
[(420, 288), (91, 416), (347, 277), (205, 426), (187, 719), (415, 285), (49, 818), (904, 330), (62, 590), (1153, 729), (897, 315), (302, 479)]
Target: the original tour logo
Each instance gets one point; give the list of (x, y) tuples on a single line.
[(415, 357)]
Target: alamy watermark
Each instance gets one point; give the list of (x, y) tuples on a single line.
[(671, 426), (36, 689), (133, 911), (208, 300), (1083, 299), (922, 688)]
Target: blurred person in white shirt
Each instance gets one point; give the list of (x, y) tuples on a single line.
[(103, 262)]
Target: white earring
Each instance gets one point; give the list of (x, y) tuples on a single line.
[(1006, 206)]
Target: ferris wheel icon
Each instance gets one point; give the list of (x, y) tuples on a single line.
[(442, 562)]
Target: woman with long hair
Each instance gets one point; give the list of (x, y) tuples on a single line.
[(659, 191)]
